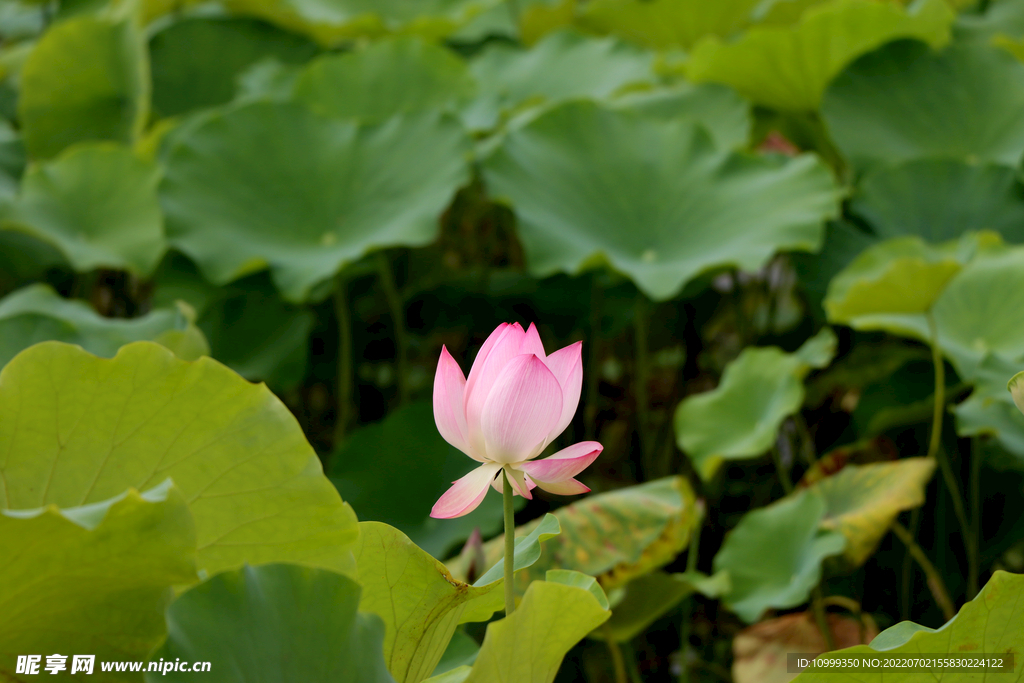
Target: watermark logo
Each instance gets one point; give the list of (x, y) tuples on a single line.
[(32, 665)]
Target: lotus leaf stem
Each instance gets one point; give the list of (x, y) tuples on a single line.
[(396, 309), (344, 388), (510, 545), (934, 579)]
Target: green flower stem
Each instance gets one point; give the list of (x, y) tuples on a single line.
[(397, 310), (973, 566), (820, 616), (642, 361), (684, 628), (935, 442), (510, 545), (593, 369), (934, 579), (618, 663), (344, 388)]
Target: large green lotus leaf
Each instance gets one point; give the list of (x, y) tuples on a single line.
[(991, 409), (93, 579), (528, 646), (664, 24), (276, 184), (1016, 388), (388, 77), (196, 61), (278, 622), (97, 204), (647, 598), (654, 199), (965, 102), (989, 624), (724, 114), (740, 418), (774, 555), (419, 600), (77, 429), (420, 466), (37, 313), (941, 199), (332, 22), (615, 536), (563, 66), (788, 67), (862, 501), (902, 275), (86, 79)]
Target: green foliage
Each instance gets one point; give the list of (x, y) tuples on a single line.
[(740, 418), (37, 313), (86, 79), (654, 200), (278, 622), (100, 575), (956, 103), (788, 67), (97, 204), (276, 185), (79, 429), (774, 555), (987, 624)]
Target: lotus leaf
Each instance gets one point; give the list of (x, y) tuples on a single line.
[(278, 622), (93, 579), (774, 555), (724, 114), (663, 24), (903, 275), (37, 313), (275, 184), (331, 22), (97, 204), (419, 600), (965, 102), (196, 62), (563, 66), (988, 624), (77, 429), (862, 501), (386, 78), (788, 67), (991, 409), (615, 536), (653, 199), (741, 417), (528, 646), (86, 79), (940, 199)]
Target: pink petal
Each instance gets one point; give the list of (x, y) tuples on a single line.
[(532, 343), (563, 465), (449, 410), (521, 484), (569, 487), (500, 348), (520, 410), (465, 494), (567, 366)]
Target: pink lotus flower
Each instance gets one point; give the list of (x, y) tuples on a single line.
[(516, 401)]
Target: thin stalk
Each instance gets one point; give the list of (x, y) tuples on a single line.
[(344, 388), (684, 628), (618, 663), (510, 545), (905, 584), (787, 482), (643, 407), (397, 310), (818, 607), (633, 669), (593, 359), (935, 583), (973, 562), (934, 443)]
